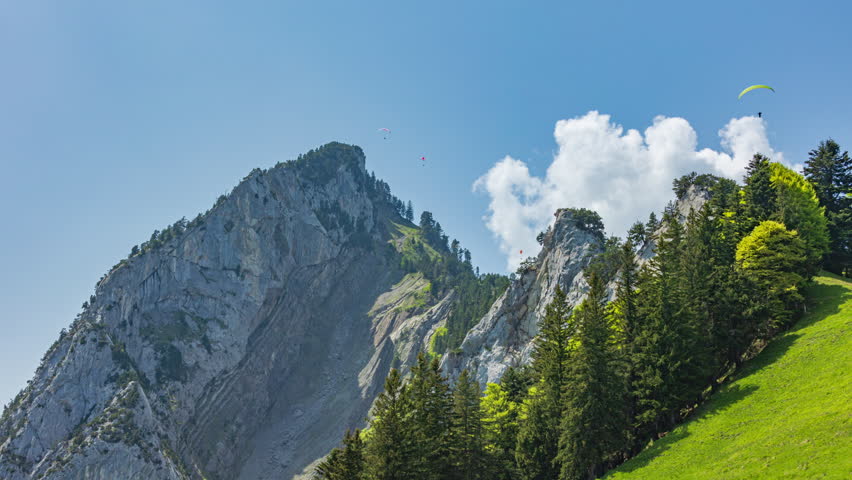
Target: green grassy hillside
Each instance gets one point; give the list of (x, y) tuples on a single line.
[(787, 414)]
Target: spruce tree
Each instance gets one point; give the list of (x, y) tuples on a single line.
[(468, 453), (636, 234), (538, 438), (759, 196), (592, 426), (651, 226), (663, 358), (550, 352), (409, 212), (830, 172), (431, 419), (627, 321), (345, 463), (391, 451)]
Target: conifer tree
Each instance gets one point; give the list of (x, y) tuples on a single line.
[(345, 463), (550, 353), (636, 234), (469, 453), (830, 172), (592, 427), (409, 212), (759, 196), (538, 438), (391, 450), (431, 419), (665, 369), (627, 321), (651, 226)]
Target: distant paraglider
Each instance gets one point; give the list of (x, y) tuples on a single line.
[(423, 161), (385, 132), (754, 87), (522, 252)]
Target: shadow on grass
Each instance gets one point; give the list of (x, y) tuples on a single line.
[(720, 402), (823, 300)]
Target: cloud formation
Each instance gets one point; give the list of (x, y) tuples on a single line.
[(621, 175)]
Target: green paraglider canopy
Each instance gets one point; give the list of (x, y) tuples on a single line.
[(753, 87)]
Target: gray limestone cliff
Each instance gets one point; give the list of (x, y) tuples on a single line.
[(504, 337), (241, 345)]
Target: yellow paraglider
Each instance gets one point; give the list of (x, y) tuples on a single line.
[(753, 87)]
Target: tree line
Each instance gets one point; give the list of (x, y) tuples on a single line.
[(608, 377)]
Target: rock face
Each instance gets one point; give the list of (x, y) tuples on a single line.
[(243, 346), (504, 337)]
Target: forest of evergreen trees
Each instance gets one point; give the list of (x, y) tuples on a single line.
[(607, 378)]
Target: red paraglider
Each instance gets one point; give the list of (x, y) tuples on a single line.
[(385, 132), (522, 252)]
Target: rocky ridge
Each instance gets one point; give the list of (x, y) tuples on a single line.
[(242, 347)]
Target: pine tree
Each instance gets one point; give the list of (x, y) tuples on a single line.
[(830, 172), (409, 212), (759, 196), (346, 463), (431, 419), (469, 453), (651, 226), (391, 450), (628, 323), (663, 362), (591, 430), (636, 234), (538, 438), (550, 353)]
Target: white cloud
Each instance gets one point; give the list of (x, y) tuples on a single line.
[(621, 175)]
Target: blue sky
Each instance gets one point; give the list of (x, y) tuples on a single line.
[(116, 120)]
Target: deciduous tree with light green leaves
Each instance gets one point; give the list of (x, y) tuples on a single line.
[(773, 261), (798, 208), (500, 431)]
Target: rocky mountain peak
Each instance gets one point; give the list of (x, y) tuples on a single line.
[(234, 345)]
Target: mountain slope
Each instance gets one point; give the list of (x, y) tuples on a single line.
[(241, 344), (785, 415)]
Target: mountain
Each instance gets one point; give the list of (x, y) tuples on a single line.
[(785, 415), (243, 343)]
